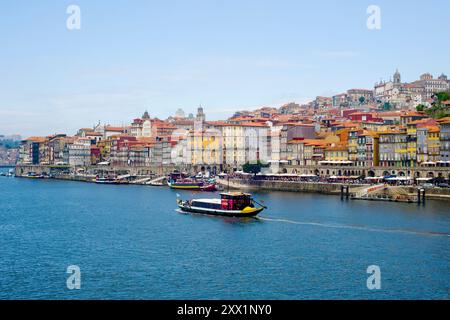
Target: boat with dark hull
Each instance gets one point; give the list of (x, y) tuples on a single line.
[(109, 180), (231, 204)]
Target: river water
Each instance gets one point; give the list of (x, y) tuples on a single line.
[(130, 243)]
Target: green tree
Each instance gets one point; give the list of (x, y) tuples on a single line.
[(442, 96), (386, 106), (420, 108), (438, 109), (362, 100), (254, 167)]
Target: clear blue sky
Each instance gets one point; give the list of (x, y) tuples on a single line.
[(133, 55)]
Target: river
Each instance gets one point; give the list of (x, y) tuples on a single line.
[(130, 243)]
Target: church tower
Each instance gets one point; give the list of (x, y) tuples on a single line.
[(200, 115), (397, 77), (146, 116)]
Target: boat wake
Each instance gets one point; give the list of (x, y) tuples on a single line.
[(360, 228)]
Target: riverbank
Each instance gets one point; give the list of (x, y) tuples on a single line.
[(250, 185), (321, 187)]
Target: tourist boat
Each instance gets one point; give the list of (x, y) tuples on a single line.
[(191, 184), (109, 180), (32, 175), (230, 204)]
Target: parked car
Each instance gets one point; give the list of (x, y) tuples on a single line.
[(443, 185)]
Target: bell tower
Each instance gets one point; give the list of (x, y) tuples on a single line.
[(397, 77)]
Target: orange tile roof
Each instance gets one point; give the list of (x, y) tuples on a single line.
[(445, 120), (254, 124), (110, 128), (36, 139), (413, 114)]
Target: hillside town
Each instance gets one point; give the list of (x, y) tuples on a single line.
[(393, 125), (9, 150)]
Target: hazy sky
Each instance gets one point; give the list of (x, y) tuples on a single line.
[(133, 55)]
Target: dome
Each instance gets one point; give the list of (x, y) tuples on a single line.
[(146, 116)]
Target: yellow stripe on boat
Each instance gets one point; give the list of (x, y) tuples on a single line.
[(249, 210), (184, 187)]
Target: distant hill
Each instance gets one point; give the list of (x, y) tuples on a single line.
[(10, 142)]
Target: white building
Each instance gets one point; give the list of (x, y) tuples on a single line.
[(79, 152)]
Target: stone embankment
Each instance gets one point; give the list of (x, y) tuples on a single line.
[(321, 187)]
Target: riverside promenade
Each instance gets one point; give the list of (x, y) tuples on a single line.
[(86, 174), (323, 187)]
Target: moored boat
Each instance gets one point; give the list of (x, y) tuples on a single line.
[(191, 184), (109, 180), (230, 204)]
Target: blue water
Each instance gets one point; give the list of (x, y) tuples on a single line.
[(130, 243)]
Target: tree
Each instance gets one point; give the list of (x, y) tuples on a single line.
[(362, 100), (254, 167), (420, 108), (442, 96), (386, 106), (438, 109)]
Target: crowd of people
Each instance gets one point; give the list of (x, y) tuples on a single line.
[(400, 181)]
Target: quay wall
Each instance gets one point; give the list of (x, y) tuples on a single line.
[(292, 186), (323, 188)]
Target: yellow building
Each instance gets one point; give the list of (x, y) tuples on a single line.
[(428, 144), (204, 147), (411, 144), (336, 152), (434, 143)]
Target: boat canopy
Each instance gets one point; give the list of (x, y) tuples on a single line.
[(228, 195)]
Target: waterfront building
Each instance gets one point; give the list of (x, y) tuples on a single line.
[(393, 148), (56, 145), (428, 144), (79, 152), (411, 143), (205, 147), (244, 142), (95, 154), (29, 150), (353, 144), (44, 152), (119, 150), (336, 153), (444, 125), (295, 152), (367, 149), (314, 151)]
